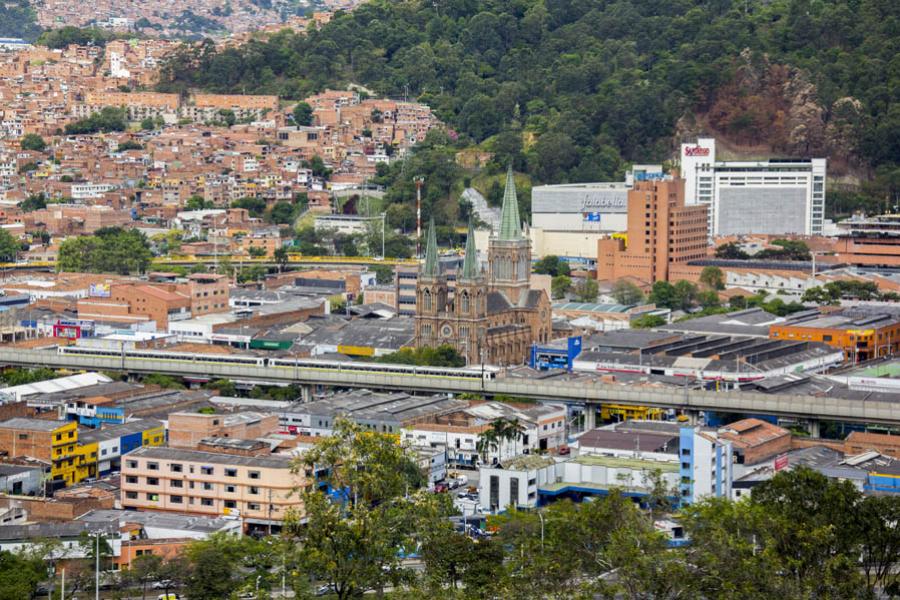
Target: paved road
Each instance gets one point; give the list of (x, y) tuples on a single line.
[(489, 215)]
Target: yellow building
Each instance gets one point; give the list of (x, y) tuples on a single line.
[(64, 444), (624, 412), (155, 436), (85, 462), (74, 458)]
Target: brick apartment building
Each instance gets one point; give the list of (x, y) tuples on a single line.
[(71, 219), (139, 105), (187, 430), (662, 232), (204, 107), (260, 489), (137, 302), (201, 294), (755, 440), (863, 441), (208, 293)]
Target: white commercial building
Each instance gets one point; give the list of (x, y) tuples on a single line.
[(567, 220), (542, 428), (201, 329), (697, 466), (83, 191), (598, 207), (774, 196), (347, 224)]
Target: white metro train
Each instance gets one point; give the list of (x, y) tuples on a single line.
[(485, 372)]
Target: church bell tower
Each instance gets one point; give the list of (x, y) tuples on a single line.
[(509, 252)]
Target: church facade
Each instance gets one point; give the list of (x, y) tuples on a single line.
[(492, 318)]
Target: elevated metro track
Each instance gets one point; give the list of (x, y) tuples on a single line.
[(811, 408), (294, 260)]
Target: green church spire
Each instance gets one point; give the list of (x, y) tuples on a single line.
[(430, 268), (510, 224), (470, 262)]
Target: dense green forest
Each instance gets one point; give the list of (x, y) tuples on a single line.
[(17, 20), (571, 90)]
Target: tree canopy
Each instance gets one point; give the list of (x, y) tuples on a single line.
[(82, 36), (355, 537), (109, 250), (9, 246), (302, 114), (32, 141), (626, 292), (107, 120), (552, 265), (442, 356), (33, 202)]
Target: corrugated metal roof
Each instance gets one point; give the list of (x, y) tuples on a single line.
[(60, 384), (592, 307)]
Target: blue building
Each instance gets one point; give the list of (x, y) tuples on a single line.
[(706, 465), (555, 356)]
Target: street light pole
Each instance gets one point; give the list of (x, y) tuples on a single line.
[(97, 570), (541, 517)]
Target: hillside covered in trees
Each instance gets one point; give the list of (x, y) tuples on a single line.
[(573, 89), (17, 20)]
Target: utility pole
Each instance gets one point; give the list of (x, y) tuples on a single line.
[(419, 182)]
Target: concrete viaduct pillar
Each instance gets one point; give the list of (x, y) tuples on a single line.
[(306, 393), (812, 426), (590, 416), (693, 416)]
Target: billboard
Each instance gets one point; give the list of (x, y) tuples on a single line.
[(72, 329), (99, 290)]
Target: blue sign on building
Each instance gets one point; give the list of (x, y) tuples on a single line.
[(544, 358), (650, 176)]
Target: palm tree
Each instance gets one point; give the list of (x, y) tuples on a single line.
[(515, 430), (500, 430), (487, 441)]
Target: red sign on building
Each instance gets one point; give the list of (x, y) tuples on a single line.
[(696, 151), (781, 461)]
